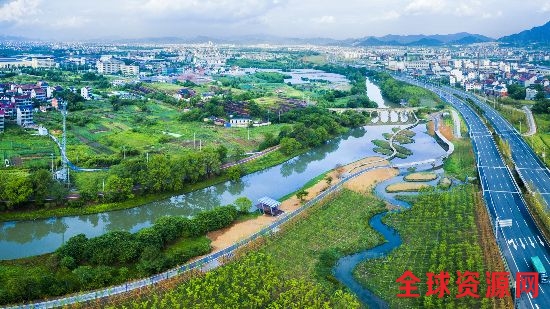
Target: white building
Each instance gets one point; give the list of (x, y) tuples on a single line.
[(24, 115), (42, 62), (86, 92), (530, 93), (239, 122), (114, 66)]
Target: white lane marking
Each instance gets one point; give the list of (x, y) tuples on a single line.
[(511, 241), (521, 243), (532, 244), (541, 242)]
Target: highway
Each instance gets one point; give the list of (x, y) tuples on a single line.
[(517, 235)]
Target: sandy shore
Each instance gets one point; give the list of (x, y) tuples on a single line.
[(424, 176), (406, 187), (228, 236)]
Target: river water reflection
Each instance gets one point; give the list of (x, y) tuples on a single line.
[(27, 238)]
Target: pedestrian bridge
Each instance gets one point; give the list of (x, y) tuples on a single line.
[(384, 115)]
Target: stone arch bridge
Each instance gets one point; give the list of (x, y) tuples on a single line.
[(384, 115)]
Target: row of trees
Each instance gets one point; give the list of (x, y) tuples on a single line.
[(395, 91), (113, 258), (18, 187), (254, 281), (155, 174), (119, 247)]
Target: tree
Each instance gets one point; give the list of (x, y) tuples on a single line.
[(329, 179), (301, 195), (42, 182), (243, 204), (118, 189), (289, 145), (222, 152), (235, 172), (516, 92), (16, 188), (540, 96)]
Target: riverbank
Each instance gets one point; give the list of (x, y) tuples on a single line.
[(258, 164), (230, 235)]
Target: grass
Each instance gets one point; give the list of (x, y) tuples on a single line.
[(106, 132), (24, 149), (309, 247), (439, 233), (406, 187), (306, 186), (461, 163)]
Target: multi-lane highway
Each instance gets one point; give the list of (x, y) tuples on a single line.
[(518, 237)]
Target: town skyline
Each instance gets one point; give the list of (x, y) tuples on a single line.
[(76, 20)]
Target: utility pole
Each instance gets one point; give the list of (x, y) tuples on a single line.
[(200, 144), (53, 174), (65, 167), (147, 156), (520, 127), (248, 131), (194, 140), (124, 152)]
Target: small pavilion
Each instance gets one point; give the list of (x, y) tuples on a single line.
[(268, 205)]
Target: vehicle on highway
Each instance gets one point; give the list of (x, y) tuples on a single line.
[(537, 265)]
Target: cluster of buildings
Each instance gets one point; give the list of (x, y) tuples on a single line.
[(110, 66), (491, 74), (34, 61), (16, 101)]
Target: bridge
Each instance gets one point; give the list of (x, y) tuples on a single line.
[(383, 115)]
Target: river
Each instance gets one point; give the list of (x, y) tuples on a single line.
[(374, 94)]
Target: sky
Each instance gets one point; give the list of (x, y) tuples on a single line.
[(341, 19)]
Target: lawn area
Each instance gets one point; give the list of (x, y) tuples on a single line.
[(540, 142), (25, 149), (310, 246), (461, 163), (439, 233), (101, 131)]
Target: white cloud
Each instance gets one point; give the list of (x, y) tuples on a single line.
[(425, 6), (327, 19), (70, 22), (19, 10), (390, 15), (209, 9), (546, 7)]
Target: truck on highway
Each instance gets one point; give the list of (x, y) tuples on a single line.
[(537, 265)]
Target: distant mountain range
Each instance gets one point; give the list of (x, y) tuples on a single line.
[(424, 40), (540, 35), (394, 40)]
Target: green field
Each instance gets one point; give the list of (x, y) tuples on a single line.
[(105, 132), (461, 163), (310, 246), (439, 234), (25, 149)]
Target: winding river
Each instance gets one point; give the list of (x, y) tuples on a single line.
[(27, 238), (343, 271)]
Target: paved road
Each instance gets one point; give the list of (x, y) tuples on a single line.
[(530, 121), (456, 121), (503, 198)]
